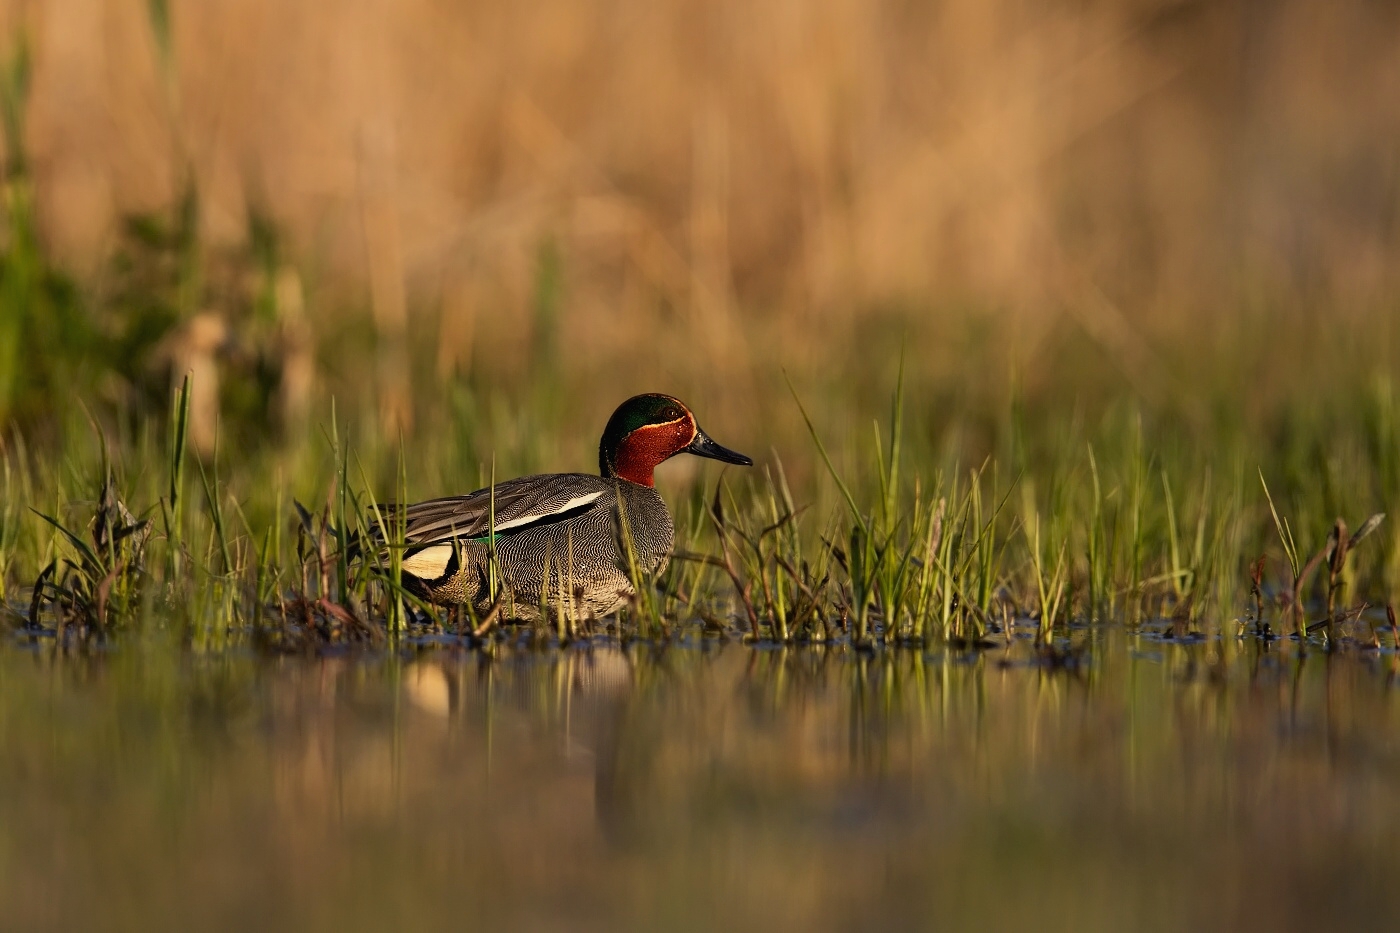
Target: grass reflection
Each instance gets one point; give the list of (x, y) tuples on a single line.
[(637, 786)]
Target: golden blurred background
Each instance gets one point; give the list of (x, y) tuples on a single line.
[(731, 185)]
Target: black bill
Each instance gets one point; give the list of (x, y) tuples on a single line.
[(703, 446)]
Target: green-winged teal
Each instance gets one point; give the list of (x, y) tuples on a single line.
[(566, 522)]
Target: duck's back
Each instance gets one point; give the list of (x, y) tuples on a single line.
[(565, 523)]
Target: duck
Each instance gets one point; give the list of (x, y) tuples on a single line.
[(557, 537)]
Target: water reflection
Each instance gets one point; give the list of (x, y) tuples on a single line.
[(1159, 785)]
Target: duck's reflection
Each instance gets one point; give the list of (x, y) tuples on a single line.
[(585, 700), (674, 738)]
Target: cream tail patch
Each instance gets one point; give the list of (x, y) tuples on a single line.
[(429, 563)]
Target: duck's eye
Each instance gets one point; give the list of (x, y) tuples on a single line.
[(671, 414)]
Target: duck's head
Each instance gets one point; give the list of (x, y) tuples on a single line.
[(647, 429)]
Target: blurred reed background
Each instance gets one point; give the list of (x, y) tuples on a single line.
[(1189, 204)]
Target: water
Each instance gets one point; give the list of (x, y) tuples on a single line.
[(1155, 786)]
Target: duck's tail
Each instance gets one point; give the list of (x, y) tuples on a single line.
[(322, 528)]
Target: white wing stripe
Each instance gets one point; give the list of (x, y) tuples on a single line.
[(531, 517)]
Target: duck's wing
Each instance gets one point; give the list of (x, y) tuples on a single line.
[(513, 505)]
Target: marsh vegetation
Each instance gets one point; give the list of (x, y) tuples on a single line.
[(1061, 591)]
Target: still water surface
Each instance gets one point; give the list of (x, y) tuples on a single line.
[(1155, 786)]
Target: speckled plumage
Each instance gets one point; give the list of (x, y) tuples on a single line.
[(565, 523)]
